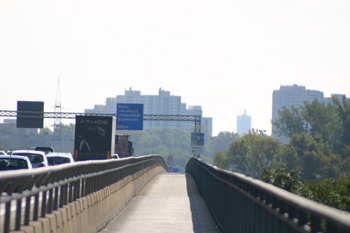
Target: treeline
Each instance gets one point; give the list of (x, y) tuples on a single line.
[(332, 191), (316, 161), (176, 142)]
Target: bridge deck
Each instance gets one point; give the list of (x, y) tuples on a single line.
[(169, 203)]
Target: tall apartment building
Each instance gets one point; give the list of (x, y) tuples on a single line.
[(295, 95), (161, 104), (244, 123), (328, 100), (288, 96)]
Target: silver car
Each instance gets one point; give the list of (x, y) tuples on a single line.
[(37, 158)]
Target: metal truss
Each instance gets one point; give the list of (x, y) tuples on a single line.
[(72, 115), (195, 118)]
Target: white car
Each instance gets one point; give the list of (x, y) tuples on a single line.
[(57, 158), (8, 162), (37, 158), (2, 152)]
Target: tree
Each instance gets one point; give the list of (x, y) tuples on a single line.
[(219, 143), (329, 122), (311, 156), (249, 154), (289, 122), (7, 129), (221, 160), (343, 112), (164, 142), (322, 120), (282, 178), (333, 191), (48, 131)]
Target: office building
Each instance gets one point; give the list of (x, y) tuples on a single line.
[(244, 123), (294, 95), (162, 104)]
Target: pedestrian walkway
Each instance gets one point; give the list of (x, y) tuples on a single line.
[(170, 203)]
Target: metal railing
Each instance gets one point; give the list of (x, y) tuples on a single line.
[(243, 204), (44, 190)]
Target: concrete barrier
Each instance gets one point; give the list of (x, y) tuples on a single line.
[(91, 213)]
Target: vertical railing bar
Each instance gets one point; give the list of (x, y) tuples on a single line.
[(56, 199), (50, 202), (65, 195), (83, 187), (62, 195), (315, 224), (7, 217), (36, 207), (27, 211), (18, 214), (70, 195), (43, 203), (78, 189)]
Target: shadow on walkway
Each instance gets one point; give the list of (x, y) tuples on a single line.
[(203, 221)]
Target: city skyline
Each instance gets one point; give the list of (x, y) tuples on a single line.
[(48, 122), (224, 56), (162, 104)]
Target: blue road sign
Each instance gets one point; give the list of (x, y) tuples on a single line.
[(197, 143), (129, 116)]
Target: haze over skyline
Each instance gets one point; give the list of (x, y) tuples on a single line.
[(226, 56)]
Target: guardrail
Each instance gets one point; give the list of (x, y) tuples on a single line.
[(55, 186), (243, 204)]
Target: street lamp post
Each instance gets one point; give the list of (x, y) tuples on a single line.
[(262, 131)]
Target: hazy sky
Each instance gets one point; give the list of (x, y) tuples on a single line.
[(224, 55)]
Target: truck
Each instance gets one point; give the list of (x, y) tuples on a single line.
[(94, 137), (123, 145)]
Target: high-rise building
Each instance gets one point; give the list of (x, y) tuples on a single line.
[(328, 100), (294, 95), (288, 96), (244, 123), (161, 104)]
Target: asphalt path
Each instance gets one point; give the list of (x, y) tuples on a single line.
[(169, 203)]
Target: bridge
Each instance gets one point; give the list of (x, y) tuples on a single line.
[(140, 195)]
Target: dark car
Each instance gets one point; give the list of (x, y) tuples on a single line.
[(46, 149)]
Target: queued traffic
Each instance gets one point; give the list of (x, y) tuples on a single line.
[(35, 157), (95, 139)]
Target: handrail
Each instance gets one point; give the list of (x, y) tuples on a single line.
[(55, 186), (243, 204)]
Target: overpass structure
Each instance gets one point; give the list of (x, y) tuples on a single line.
[(86, 196)]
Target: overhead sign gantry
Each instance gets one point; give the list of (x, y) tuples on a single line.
[(72, 115)]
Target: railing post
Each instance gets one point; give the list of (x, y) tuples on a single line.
[(43, 204), (27, 211), (18, 214), (56, 200), (36, 207), (7, 217), (50, 202)]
